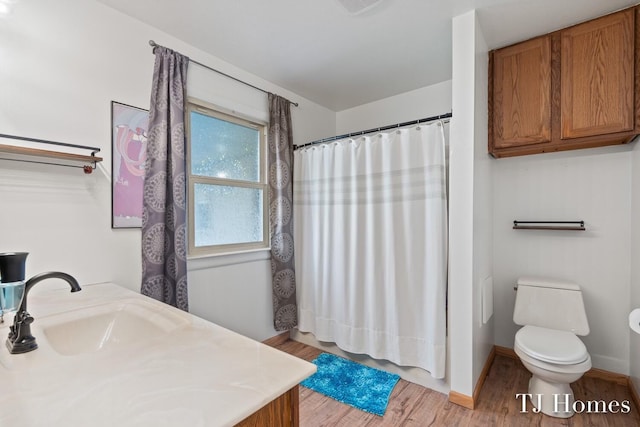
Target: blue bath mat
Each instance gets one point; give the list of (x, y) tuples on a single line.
[(360, 386)]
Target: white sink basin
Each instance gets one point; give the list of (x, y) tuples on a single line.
[(108, 326)]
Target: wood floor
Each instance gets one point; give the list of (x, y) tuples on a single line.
[(413, 405)]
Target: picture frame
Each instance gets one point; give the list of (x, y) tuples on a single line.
[(129, 131)]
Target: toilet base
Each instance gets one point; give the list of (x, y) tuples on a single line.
[(555, 399)]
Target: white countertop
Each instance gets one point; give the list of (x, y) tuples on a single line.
[(197, 374)]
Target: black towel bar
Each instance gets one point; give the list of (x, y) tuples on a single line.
[(549, 225)]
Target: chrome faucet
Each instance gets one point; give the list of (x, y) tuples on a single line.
[(20, 339)]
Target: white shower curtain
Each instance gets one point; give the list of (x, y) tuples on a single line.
[(371, 239)]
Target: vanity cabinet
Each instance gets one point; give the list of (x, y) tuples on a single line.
[(574, 88), (280, 412)]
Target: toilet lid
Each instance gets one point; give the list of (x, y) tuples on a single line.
[(550, 345)]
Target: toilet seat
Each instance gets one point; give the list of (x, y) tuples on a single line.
[(551, 345)]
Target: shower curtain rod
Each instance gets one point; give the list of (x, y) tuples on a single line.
[(364, 132), (154, 45)]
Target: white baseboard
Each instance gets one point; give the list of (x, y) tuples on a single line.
[(611, 364)]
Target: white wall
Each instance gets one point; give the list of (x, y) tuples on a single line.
[(483, 333), (428, 101), (593, 185), (62, 64), (634, 291), (470, 254)]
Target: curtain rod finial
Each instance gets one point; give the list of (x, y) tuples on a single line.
[(152, 43)]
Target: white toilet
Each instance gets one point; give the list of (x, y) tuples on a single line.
[(551, 313)]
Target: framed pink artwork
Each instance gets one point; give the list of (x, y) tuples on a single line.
[(129, 127)]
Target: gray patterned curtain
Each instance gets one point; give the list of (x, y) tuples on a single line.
[(285, 309), (164, 232)]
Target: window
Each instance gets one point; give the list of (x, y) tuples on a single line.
[(227, 182)]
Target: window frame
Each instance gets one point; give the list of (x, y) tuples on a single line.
[(205, 108)]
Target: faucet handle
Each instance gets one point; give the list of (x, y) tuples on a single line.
[(27, 319), (24, 318)]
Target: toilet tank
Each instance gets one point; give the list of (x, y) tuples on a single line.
[(550, 303)]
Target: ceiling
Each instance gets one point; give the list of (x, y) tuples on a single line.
[(316, 49)]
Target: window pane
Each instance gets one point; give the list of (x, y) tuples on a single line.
[(222, 149), (226, 215)]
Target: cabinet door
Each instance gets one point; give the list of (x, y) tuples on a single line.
[(597, 76), (521, 107)]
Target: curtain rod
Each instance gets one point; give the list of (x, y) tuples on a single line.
[(154, 45), (364, 132)]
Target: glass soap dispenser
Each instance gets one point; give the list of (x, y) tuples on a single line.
[(12, 272)]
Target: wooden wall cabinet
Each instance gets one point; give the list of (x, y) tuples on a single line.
[(522, 83), (574, 88)]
